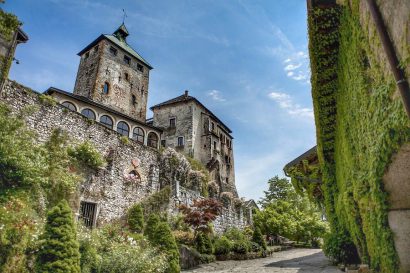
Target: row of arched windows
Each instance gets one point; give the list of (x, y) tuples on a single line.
[(123, 128)]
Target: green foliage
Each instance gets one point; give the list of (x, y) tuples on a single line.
[(241, 247), (86, 155), (258, 238), (234, 234), (112, 249), (207, 258), (223, 246), (124, 140), (156, 202), (8, 24), (160, 235), (47, 100), (340, 248), (136, 218), (279, 189), (357, 136), (60, 250), (203, 243)]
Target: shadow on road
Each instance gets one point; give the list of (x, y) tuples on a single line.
[(310, 263)]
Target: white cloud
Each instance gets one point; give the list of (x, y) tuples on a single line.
[(285, 102), (216, 95), (290, 67)]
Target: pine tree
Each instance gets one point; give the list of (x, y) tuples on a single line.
[(136, 218), (60, 250), (258, 238), (151, 227), (203, 243)]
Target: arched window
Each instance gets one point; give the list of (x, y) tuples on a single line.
[(88, 113), (69, 105), (106, 88), (123, 128), (106, 121), (138, 134), (152, 140)]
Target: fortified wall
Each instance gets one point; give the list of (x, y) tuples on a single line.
[(133, 169)]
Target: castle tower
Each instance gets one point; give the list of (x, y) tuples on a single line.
[(114, 74)]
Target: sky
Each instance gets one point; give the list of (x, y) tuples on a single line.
[(247, 61)]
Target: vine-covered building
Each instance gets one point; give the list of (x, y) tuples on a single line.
[(360, 169)]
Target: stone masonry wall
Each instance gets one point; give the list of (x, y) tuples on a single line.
[(110, 187)]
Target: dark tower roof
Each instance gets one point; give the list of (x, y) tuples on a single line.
[(121, 33), (118, 38)]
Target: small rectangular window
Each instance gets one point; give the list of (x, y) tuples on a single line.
[(113, 51), (88, 213), (163, 143), (140, 68), (172, 122), (127, 59), (180, 141), (87, 55)]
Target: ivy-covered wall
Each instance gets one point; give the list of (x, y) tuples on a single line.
[(360, 125)]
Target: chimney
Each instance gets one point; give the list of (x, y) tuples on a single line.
[(186, 93)]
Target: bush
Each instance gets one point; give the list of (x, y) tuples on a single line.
[(234, 234), (89, 258), (60, 249), (340, 248), (151, 226), (223, 246), (159, 234), (184, 237), (207, 258), (255, 247), (240, 247), (87, 155), (258, 238), (203, 243), (136, 218)]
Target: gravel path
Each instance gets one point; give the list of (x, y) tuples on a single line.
[(289, 261)]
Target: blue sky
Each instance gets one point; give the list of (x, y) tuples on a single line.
[(245, 60)]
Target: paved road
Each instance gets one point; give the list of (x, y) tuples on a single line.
[(290, 261)]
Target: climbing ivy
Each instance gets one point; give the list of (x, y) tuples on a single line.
[(359, 127)]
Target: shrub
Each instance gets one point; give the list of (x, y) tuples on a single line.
[(240, 247), (258, 238), (184, 237), (255, 247), (234, 234), (136, 218), (89, 258), (47, 100), (166, 242), (207, 258), (203, 243), (87, 155), (151, 227), (340, 249), (223, 246), (60, 249)]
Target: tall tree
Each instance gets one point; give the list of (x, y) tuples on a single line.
[(60, 251), (279, 189)]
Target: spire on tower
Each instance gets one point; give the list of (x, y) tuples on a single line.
[(121, 33)]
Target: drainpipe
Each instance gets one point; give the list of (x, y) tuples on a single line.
[(398, 73)]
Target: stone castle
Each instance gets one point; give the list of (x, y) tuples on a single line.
[(107, 107)]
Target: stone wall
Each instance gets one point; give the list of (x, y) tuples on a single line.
[(110, 187)]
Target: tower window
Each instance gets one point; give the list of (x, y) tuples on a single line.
[(180, 141), (88, 113), (127, 77), (69, 105), (134, 100), (106, 121), (123, 128), (96, 48), (172, 122), (140, 68), (138, 135), (106, 88), (127, 59), (113, 51), (87, 55)]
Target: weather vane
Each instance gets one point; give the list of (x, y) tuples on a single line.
[(124, 16)]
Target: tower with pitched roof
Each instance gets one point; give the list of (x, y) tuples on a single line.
[(112, 73)]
